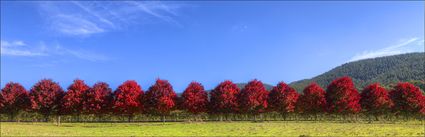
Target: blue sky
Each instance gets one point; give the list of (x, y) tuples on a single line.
[(203, 41)]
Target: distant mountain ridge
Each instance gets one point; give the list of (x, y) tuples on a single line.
[(242, 85), (385, 70), (267, 86)]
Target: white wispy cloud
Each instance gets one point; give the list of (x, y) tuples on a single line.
[(404, 46), (19, 48), (100, 17), (84, 18), (156, 9), (80, 53), (74, 25), (12, 44)]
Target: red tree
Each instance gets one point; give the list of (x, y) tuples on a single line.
[(15, 99), (1, 104), (253, 98), (375, 100), (342, 97), (128, 99), (195, 98), (160, 98), (224, 98), (313, 100), (283, 99), (407, 99), (72, 102), (98, 99), (45, 97)]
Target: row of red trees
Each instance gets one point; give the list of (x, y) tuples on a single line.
[(341, 97)]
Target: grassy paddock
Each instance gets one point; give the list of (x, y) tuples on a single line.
[(281, 128)]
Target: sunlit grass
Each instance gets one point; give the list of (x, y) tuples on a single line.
[(280, 128)]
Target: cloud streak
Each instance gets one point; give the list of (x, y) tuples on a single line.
[(73, 25), (155, 9), (404, 46), (84, 18), (80, 54), (19, 48)]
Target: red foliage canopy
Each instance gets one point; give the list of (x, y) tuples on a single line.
[(46, 96), (98, 99), (253, 97), (160, 98), (1, 103), (128, 98), (375, 99), (342, 97), (195, 98), (72, 102), (408, 98), (313, 100), (224, 98), (283, 98), (14, 98)]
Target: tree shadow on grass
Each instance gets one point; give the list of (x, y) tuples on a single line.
[(66, 126)]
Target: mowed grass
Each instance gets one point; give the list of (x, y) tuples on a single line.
[(280, 128)]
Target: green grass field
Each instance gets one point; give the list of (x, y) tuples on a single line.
[(214, 129)]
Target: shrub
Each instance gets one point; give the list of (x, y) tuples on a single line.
[(407, 99), (283, 98), (224, 98), (313, 100), (46, 96), (253, 98), (195, 98), (375, 100), (128, 99), (98, 99), (342, 97), (160, 98), (14, 99), (72, 102)]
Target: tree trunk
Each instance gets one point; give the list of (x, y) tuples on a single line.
[(163, 118), (130, 118), (58, 120), (46, 118), (261, 117), (198, 117), (11, 117), (99, 118), (78, 118)]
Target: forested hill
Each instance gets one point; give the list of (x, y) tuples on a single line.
[(267, 86), (386, 70), (242, 85)]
